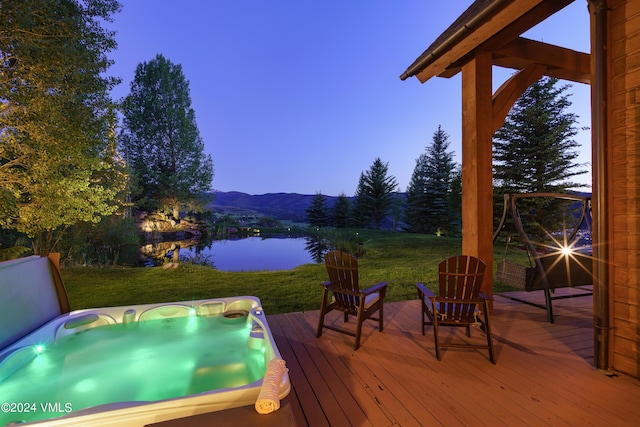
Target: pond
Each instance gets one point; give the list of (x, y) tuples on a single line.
[(253, 253)]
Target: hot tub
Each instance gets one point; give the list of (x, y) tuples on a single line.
[(135, 365)]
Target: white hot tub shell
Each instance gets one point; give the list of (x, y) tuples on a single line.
[(32, 315)]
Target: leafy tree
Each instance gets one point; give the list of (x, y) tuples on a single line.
[(341, 211), (374, 195), (58, 163), (318, 212), (534, 151), (429, 207), (268, 222), (161, 140)]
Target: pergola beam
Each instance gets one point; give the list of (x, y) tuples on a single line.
[(490, 35), (562, 63)]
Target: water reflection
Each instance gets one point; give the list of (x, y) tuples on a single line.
[(156, 253), (242, 254), (317, 247)]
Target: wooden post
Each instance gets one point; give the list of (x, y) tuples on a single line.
[(55, 259), (477, 184), (61, 291)]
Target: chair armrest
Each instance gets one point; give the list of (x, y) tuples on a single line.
[(328, 288), (380, 287), (446, 300), (484, 296), (422, 289)]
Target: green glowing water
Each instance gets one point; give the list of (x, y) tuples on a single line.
[(148, 361)]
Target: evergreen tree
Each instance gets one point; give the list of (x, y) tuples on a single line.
[(360, 213), (455, 200), (417, 204), (534, 150), (318, 212), (58, 165), (429, 197), (341, 211), (374, 196), (161, 140)]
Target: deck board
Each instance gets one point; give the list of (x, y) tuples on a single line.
[(544, 373)]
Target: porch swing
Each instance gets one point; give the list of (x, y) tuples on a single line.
[(560, 263)]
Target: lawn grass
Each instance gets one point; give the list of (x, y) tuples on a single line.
[(401, 259)]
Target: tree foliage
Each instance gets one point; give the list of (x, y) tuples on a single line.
[(161, 140), (58, 163), (318, 212), (374, 195), (455, 200), (341, 211), (417, 205), (360, 215), (429, 206), (534, 151)]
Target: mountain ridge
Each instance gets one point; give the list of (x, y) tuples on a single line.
[(281, 206)]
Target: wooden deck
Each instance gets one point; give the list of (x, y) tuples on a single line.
[(544, 373)]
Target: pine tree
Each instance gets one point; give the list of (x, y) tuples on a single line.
[(161, 140), (374, 194), (318, 212), (455, 201), (340, 212), (360, 213), (534, 150), (417, 204), (429, 208)]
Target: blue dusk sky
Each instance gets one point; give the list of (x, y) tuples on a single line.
[(301, 96)]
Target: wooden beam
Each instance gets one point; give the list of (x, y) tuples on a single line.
[(477, 36), (477, 185), (510, 91), (561, 62), (510, 23)]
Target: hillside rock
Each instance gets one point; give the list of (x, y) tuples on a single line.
[(158, 227)]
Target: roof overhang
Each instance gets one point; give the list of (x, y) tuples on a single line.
[(496, 26)]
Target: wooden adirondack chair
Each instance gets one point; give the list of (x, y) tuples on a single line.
[(458, 302), (347, 296)]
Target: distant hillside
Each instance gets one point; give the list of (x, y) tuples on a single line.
[(282, 206)]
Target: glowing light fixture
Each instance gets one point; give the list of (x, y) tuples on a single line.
[(566, 250)]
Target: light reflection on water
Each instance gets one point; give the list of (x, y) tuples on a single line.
[(254, 253)]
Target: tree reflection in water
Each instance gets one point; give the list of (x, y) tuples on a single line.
[(254, 253)]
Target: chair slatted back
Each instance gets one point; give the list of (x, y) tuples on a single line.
[(460, 278), (343, 275)]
